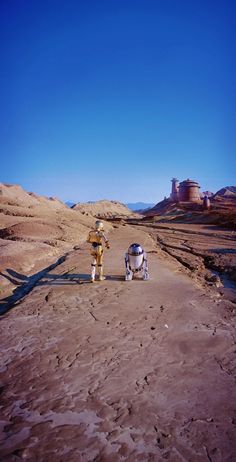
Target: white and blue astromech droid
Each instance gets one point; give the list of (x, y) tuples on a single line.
[(136, 262)]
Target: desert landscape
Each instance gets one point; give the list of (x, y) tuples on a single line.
[(117, 231), (116, 370)]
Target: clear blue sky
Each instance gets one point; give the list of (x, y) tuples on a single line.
[(111, 99)]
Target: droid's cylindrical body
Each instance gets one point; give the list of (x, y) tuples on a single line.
[(135, 253), (189, 191), (136, 262)]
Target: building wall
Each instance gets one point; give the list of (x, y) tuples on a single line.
[(174, 190), (189, 191)]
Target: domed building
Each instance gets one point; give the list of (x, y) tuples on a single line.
[(186, 191), (189, 191)]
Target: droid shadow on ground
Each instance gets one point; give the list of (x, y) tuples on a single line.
[(25, 284), (75, 278)]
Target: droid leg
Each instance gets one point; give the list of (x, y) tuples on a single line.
[(129, 275), (93, 269), (128, 272), (100, 273), (145, 268), (100, 269)]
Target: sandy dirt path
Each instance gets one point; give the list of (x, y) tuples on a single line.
[(118, 371)]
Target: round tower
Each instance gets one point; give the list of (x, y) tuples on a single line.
[(206, 203), (174, 190), (189, 191)]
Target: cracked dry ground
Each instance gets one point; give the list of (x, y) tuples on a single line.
[(117, 371)]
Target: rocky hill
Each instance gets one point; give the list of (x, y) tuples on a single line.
[(229, 192), (222, 210), (104, 209), (35, 230)]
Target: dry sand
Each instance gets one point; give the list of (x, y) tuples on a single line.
[(118, 371)]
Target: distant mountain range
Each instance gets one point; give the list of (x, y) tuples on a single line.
[(139, 206), (132, 206)]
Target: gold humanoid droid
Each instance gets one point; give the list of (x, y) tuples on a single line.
[(96, 238)]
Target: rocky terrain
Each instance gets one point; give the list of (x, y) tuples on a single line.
[(115, 371), (228, 192), (203, 241), (222, 211), (206, 252), (34, 230), (105, 209)]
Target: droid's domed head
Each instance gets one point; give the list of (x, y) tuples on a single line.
[(135, 249), (99, 225)]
